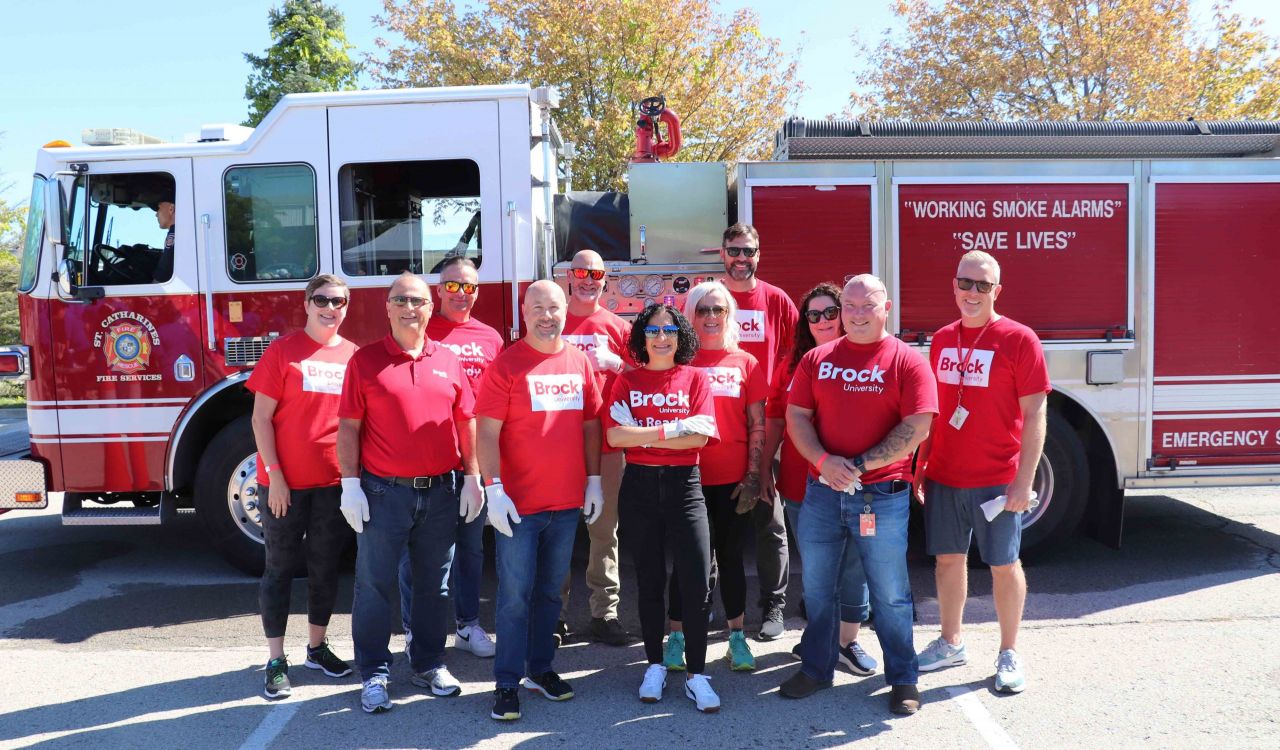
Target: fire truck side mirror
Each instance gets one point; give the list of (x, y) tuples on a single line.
[(55, 212)]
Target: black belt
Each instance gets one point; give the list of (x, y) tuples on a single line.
[(420, 483)]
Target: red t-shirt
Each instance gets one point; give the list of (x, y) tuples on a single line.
[(474, 343), (659, 396), (767, 320), (410, 408), (737, 380), (792, 468), (305, 379), (543, 401), (859, 392), (600, 328), (1007, 364)]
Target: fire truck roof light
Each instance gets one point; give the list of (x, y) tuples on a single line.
[(116, 137), (59, 143), (26, 497), (224, 131)]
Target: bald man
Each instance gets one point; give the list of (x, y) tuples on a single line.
[(539, 450)]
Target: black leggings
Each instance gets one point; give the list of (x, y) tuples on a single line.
[(313, 528), (661, 506), (729, 531)]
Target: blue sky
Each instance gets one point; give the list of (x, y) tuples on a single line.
[(167, 66)]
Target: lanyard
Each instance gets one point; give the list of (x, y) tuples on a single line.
[(964, 362)]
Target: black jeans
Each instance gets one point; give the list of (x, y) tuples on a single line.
[(661, 506), (313, 529), (729, 532)]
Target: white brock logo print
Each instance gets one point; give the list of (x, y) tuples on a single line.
[(976, 373), (322, 377), (751, 325), (555, 392), (726, 382)]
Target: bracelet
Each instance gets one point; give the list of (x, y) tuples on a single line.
[(271, 467), (818, 465), (492, 481)]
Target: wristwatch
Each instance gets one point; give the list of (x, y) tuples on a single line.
[(860, 463)]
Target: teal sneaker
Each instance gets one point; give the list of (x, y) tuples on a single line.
[(1009, 677), (673, 653), (277, 681), (739, 654), (939, 654)]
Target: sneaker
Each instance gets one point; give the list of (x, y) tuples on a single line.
[(439, 681), (939, 654), (655, 681), (673, 652), (1009, 677), (698, 689), (373, 696), (408, 638), (506, 704), (904, 700), (773, 624), (473, 638), (322, 657), (739, 654), (795, 653), (561, 634), (609, 631), (550, 685), (277, 682), (857, 661), (801, 685)]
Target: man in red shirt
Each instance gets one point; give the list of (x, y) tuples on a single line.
[(602, 336), (993, 386), (539, 449), (766, 319), (405, 425), (858, 408)]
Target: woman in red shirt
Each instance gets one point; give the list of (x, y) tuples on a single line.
[(662, 415), (296, 387)]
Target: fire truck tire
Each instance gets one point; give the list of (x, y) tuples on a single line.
[(226, 497), (1062, 481)]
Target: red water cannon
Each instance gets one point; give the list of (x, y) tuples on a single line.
[(651, 145)]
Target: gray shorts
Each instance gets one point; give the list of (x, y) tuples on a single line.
[(952, 517)]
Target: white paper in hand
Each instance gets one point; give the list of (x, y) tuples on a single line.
[(847, 490), (992, 508)]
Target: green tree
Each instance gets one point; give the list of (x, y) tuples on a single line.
[(12, 227), (730, 84), (308, 52)]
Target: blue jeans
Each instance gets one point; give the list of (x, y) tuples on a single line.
[(423, 520), (855, 602), (828, 521), (464, 577), (532, 563)]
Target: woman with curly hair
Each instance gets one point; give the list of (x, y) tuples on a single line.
[(662, 415)]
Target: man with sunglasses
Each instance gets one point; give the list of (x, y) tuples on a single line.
[(766, 319), (405, 425), (603, 337), (993, 387)]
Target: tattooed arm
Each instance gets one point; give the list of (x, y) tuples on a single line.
[(749, 491), (900, 441)]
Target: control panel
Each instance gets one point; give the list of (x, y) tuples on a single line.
[(631, 287)]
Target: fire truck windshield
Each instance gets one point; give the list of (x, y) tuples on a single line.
[(31, 242)]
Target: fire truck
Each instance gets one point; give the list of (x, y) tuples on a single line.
[(153, 275)]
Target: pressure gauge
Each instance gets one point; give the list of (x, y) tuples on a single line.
[(654, 285), (629, 286)]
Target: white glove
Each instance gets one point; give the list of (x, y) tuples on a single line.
[(354, 504), (698, 424), (620, 413), (855, 487), (604, 360), (471, 499), (593, 504), (502, 512)]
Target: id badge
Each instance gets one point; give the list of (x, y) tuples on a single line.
[(867, 524), (959, 416)]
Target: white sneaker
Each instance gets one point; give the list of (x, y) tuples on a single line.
[(698, 689), (373, 695), (473, 638), (1009, 676), (439, 681), (655, 680)]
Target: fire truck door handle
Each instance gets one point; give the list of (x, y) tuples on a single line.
[(208, 286), (513, 218)]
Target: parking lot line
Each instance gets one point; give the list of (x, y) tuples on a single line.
[(992, 732), (272, 725)]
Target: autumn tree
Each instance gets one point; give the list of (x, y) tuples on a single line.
[(1070, 59), (308, 52), (730, 84)]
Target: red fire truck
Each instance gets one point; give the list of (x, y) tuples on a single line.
[(1142, 254)]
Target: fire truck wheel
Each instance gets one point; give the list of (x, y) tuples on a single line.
[(226, 497), (1062, 481)]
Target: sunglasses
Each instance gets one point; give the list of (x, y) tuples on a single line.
[(452, 287), (587, 273), (967, 284), (405, 300), (651, 332), (830, 313), (319, 300), (717, 311), (734, 252)]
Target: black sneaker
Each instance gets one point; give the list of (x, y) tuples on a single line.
[(854, 659), (801, 685), (277, 682), (322, 658), (795, 653), (904, 700), (609, 632), (550, 685), (506, 704), (772, 624), (561, 633)]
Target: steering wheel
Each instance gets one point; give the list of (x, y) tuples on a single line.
[(119, 265)]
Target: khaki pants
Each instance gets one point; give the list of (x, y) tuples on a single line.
[(602, 559)]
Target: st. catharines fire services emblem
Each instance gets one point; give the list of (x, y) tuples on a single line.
[(127, 341)]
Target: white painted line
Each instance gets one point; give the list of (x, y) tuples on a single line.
[(996, 737), (272, 725)]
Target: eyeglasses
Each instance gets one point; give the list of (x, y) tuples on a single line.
[(716, 311), (319, 300), (830, 313), (651, 332), (967, 284), (583, 273), (452, 287), (734, 252), (405, 300)]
